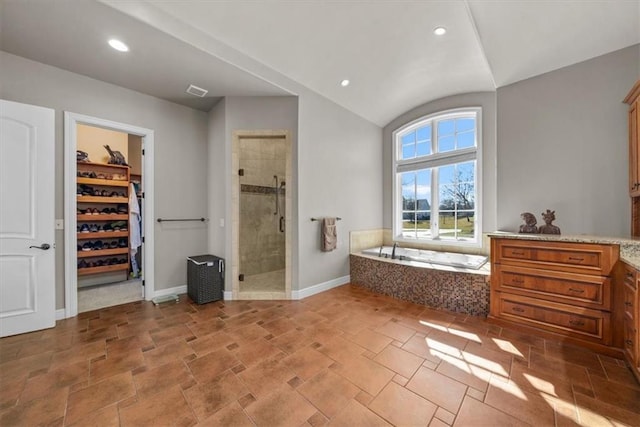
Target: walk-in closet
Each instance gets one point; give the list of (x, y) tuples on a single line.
[(108, 217)]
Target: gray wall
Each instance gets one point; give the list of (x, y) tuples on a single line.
[(243, 113), (337, 171), (180, 154), (339, 174), (486, 100), (562, 145)]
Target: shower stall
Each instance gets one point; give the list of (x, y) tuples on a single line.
[(263, 209)]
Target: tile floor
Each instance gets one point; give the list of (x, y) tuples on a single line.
[(344, 357)]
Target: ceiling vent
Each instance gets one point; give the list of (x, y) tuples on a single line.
[(197, 91)]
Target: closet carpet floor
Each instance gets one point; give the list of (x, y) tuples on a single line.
[(344, 357)]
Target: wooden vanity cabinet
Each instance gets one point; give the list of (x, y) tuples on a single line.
[(559, 287), (633, 99), (630, 278)]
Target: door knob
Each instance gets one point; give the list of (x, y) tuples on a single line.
[(43, 246)]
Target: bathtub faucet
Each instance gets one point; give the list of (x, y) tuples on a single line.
[(393, 251)]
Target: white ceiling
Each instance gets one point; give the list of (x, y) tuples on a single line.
[(386, 48)]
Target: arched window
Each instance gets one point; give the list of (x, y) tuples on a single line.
[(437, 178)]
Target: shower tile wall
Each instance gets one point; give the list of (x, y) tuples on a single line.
[(262, 245)]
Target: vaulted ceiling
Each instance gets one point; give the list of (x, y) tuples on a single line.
[(387, 49)]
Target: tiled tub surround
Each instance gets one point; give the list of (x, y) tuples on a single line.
[(454, 289)]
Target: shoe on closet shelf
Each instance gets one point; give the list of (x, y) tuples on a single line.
[(87, 246), (107, 227), (113, 244), (122, 243), (93, 228), (98, 245), (83, 264), (84, 228)]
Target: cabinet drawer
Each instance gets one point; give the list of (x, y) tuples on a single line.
[(629, 276), (630, 301), (516, 252), (630, 343), (561, 318), (569, 257), (577, 289), (584, 258)]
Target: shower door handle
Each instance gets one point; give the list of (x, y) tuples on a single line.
[(282, 224)]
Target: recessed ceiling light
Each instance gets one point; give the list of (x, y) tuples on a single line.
[(439, 31), (345, 83), (118, 45)]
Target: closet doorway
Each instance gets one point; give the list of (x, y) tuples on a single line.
[(107, 213), (261, 267)]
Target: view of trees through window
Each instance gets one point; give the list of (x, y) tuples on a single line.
[(439, 198)]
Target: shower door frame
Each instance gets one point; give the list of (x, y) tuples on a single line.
[(238, 136)]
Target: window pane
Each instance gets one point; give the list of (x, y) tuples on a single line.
[(408, 146), (423, 189), (446, 143), (466, 224), (408, 151), (465, 124), (423, 149), (409, 138), (466, 140), (447, 225), (416, 203), (408, 180), (424, 133), (445, 127)]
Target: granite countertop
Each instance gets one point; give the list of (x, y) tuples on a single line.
[(629, 247)]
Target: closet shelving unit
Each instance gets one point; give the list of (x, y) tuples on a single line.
[(100, 202)]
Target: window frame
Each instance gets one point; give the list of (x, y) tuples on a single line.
[(432, 161)]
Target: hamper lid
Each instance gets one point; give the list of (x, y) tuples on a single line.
[(204, 259)]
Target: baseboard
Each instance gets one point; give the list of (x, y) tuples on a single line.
[(61, 314), (228, 295), (177, 290), (320, 287)]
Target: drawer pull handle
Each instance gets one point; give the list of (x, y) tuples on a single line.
[(517, 280), (629, 343), (580, 291), (517, 252), (629, 274), (576, 322), (628, 303), (576, 259), (518, 309)]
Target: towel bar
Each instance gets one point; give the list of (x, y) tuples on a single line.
[(178, 219), (320, 219)]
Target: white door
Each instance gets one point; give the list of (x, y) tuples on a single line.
[(27, 222)]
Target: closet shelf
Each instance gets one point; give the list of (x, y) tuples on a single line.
[(103, 252), (102, 235), (93, 166), (98, 199), (106, 182), (103, 269), (99, 217)]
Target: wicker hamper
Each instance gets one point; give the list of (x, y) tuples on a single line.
[(205, 278)]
